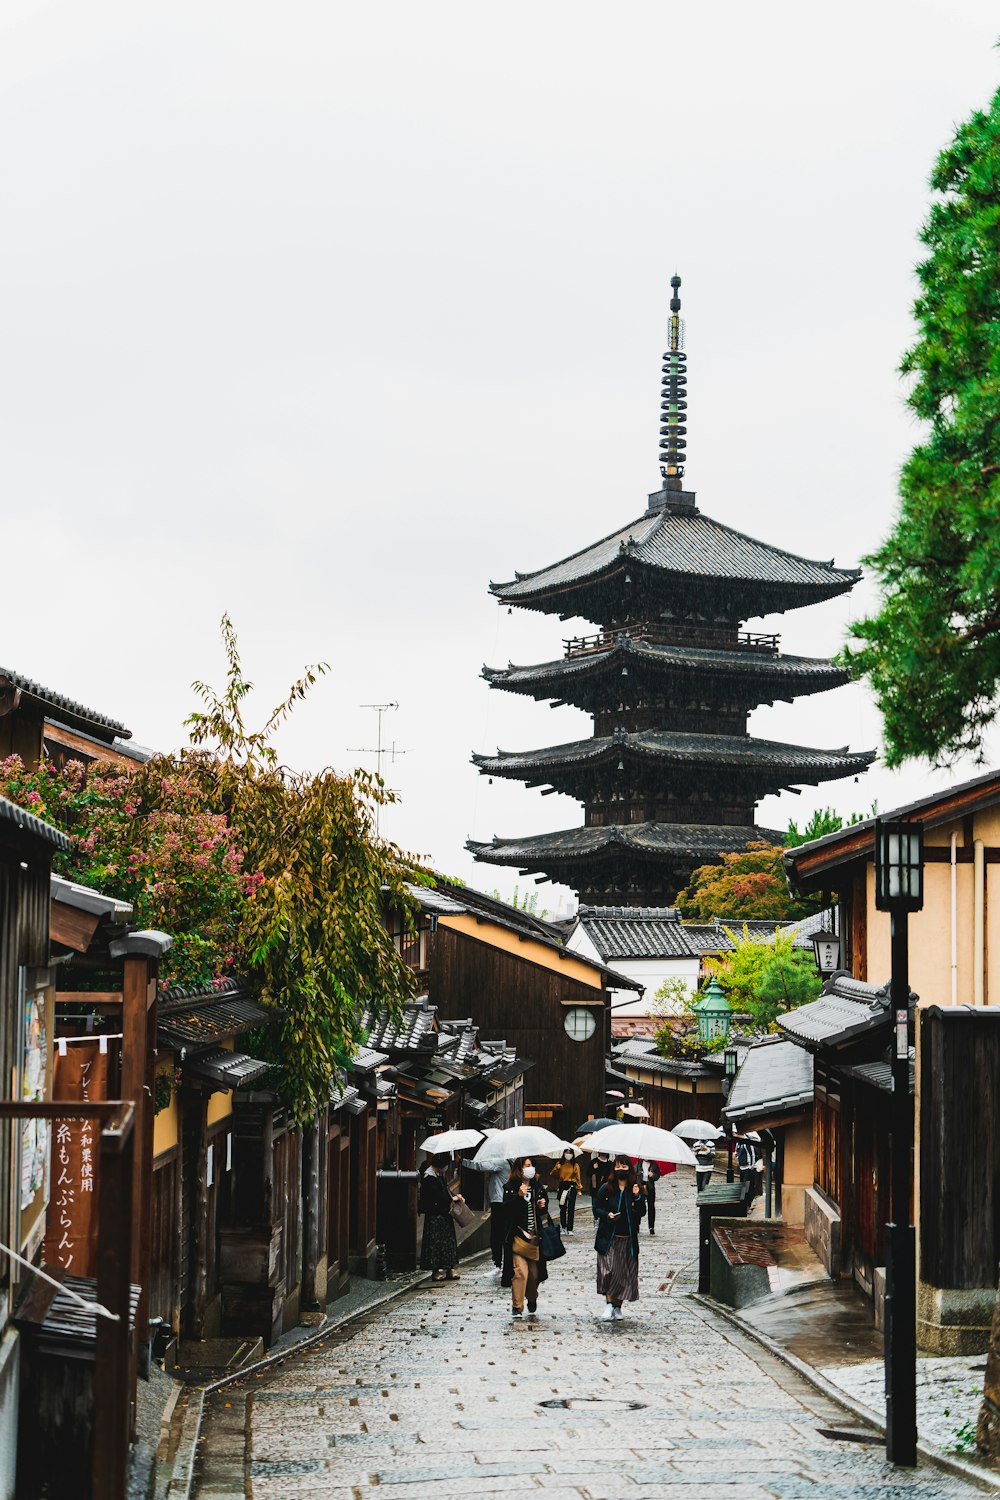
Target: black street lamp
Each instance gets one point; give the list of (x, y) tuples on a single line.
[(731, 1059), (899, 889)]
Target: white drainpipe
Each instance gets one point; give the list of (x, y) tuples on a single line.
[(978, 923), (954, 919)]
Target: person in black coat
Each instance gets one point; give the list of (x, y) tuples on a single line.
[(619, 1207), (439, 1247), (526, 1202)]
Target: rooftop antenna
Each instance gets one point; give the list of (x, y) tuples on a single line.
[(673, 403), (379, 751)]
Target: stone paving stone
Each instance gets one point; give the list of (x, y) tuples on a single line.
[(442, 1395)]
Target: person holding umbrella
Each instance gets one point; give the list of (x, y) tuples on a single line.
[(439, 1247), (649, 1175), (523, 1266), (619, 1208), (565, 1180)]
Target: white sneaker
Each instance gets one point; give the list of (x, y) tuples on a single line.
[(616, 1314), (492, 1273), (608, 1313)]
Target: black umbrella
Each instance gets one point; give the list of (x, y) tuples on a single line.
[(589, 1125)]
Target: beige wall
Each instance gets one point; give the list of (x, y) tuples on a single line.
[(930, 929), (166, 1125), (798, 1169)]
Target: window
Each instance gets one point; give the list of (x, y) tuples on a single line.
[(580, 1023)]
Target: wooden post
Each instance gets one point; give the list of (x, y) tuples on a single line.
[(113, 1364), (137, 1078)]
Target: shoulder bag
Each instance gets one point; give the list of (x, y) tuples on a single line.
[(550, 1240), (525, 1243)]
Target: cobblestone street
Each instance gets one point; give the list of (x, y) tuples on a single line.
[(441, 1394)]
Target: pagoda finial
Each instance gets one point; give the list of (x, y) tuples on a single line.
[(673, 405)]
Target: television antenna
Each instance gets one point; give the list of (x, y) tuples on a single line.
[(380, 751)]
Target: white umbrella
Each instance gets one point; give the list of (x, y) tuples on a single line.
[(646, 1141), (636, 1111), (451, 1140), (697, 1130), (520, 1140)]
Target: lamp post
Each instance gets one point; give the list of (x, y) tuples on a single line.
[(731, 1060), (899, 889)]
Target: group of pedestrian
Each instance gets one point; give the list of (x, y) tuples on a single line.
[(520, 1223)]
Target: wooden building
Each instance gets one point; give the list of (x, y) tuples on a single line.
[(670, 778), (514, 977), (26, 848), (672, 1089), (848, 1030), (954, 948), (38, 723), (444, 1077)]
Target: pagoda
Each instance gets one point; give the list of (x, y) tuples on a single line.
[(670, 777)]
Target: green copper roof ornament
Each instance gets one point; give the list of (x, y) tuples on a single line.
[(673, 404), (714, 1013)]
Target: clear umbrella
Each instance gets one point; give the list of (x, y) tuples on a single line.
[(520, 1140), (696, 1130), (646, 1141), (636, 1112), (451, 1140)]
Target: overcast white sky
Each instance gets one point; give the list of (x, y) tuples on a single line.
[(327, 314)]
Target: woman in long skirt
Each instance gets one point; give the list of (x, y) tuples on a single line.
[(439, 1247), (619, 1208)]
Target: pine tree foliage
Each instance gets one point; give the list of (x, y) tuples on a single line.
[(932, 651)]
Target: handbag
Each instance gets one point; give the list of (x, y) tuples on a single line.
[(550, 1241), (462, 1214), (524, 1245)]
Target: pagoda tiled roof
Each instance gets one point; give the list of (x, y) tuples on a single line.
[(782, 674), (669, 747), (701, 842), (686, 544)]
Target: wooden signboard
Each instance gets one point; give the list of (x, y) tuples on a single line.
[(81, 1074)]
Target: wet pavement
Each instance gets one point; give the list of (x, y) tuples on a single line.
[(441, 1394)]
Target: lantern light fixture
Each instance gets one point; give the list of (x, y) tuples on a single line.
[(899, 866), (826, 947), (714, 1013)]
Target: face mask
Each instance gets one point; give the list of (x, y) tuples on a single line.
[(621, 1171), (567, 1156), (527, 1173), (602, 1157)]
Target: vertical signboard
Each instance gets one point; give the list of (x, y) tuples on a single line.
[(81, 1073)]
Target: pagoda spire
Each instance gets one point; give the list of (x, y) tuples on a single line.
[(673, 403)]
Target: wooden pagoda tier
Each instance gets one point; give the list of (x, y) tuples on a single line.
[(638, 678), (638, 864), (677, 566), (662, 775)]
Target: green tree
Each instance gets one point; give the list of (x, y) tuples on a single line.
[(932, 650), (762, 979), (824, 820), (747, 885)]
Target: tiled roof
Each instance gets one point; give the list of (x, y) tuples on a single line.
[(688, 545), (776, 1075), (713, 937), (366, 1060), (210, 1021), (635, 931), (699, 841), (414, 1033), (25, 822), (652, 1062), (668, 747), (846, 1008), (66, 710), (878, 1075), (782, 674)]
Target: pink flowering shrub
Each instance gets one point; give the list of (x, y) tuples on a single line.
[(146, 837)]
